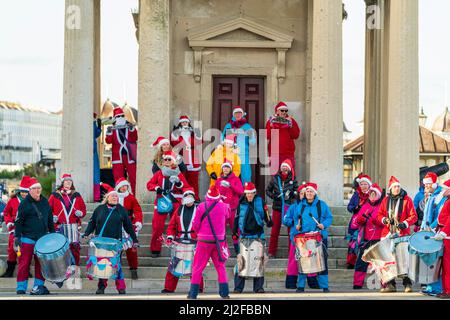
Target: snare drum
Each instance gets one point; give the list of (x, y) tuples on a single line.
[(252, 258), (70, 231), (104, 258), (407, 264), (181, 259), (382, 260), (309, 253), (54, 256)]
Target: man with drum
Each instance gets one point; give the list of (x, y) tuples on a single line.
[(398, 214), (108, 220), (312, 215), (34, 220), (251, 215), (68, 209), (180, 230)]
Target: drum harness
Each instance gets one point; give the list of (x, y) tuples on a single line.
[(64, 209), (216, 240)]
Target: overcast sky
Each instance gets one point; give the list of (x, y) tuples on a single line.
[(32, 49)]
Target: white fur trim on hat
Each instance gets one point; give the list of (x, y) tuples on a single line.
[(226, 164), (364, 180), (311, 188), (284, 164), (36, 185), (378, 192), (122, 184), (184, 119), (250, 191), (214, 198), (394, 184), (238, 110), (162, 142), (430, 181)]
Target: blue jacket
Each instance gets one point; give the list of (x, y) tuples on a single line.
[(307, 223), (97, 133), (419, 197), (433, 208)]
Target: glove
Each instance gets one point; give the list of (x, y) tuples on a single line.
[(197, 133), (213, 176), (385, 221), (138, 226), (402, 226), (361, 219), (55, 219), (136, 245), (174, 179), (159, 191), (79, 213), (169, 240), (225, 184), (9, 225), (440, 236), (270, 224), (235, 236), (17, 242)]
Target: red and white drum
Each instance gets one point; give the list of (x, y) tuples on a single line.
[(309, 252)]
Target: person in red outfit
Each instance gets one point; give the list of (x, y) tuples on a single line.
[(9, 215), (398, 215), (442, 235), (180, 230), (132, 206), (123, 136), (281, 130), (169, 185), (189, 141), (68, 207)]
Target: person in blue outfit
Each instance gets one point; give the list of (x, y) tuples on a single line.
[(245, 136), (299, 221), (97, 132)]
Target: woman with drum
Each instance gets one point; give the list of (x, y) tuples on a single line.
[(369, 232), (309, 220), (251, 216), (358, 199), (68, 209), (169, 185), (107, 221)]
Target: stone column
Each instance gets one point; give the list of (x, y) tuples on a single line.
[(324, 105), (79, 95), (154, 85)]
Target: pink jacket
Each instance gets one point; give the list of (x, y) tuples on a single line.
[(372, 228), (233, 192), (219, 214)]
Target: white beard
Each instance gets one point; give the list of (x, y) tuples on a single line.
[(122, 196)]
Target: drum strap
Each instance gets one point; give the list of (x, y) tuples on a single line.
[(106, 221), (319, 211), (217, 241)]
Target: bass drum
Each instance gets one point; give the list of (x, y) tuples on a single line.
[(251, 258)]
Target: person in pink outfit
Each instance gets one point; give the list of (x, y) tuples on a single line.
[(209, 224)]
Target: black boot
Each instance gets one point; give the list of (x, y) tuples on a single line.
[(134, 274), (10, 270)]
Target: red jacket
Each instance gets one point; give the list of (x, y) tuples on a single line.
[(190, 148), (131, 204), (56, 202), (10, 212), (444, 218), (371, 227), (408, 214), (163, 182), (233, 193), (118, 146), (177, 229), (286, 135)]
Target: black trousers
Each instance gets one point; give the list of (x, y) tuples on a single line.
[(239, 283)]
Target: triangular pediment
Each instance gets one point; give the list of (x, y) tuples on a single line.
[(240, 32)]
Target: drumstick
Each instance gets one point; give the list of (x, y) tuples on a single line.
[(428, 238), (315, 220)]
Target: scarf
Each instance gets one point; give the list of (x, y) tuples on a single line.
[(363, 197), (284, 176), (168, 172), (122, 196), (236, 124)]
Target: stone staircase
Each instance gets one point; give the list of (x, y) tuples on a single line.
[(152, 270)]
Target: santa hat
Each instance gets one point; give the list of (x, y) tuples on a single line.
[(446, 185), (227, 163), (249, 187), (24, 184), (34, 183), (121, 183), (170, 155), (364, 178), (311, 186), (189, 193), (230, 139), (393, 181), (66, 176), (159, 142), (184, 118), (118, 112), (109, 190), (238, 109), (281, 106), (301, 187), (213, 193), (375, 187), (431, 178)]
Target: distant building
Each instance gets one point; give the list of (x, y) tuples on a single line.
[(28, 135), (442, 124)]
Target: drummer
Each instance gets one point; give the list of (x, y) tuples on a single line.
[(34, 220), (299, 221), (397, 213), (251, 215), (68, 207), (119, 219)]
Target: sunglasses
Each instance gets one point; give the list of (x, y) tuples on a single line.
[(284, 111), (122, 116), (167, 159)]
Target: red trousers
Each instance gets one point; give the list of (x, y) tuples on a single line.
[(172, 281), (75, 249), (275, 232), (446, 268), (132, 258), (192, 179), (12, 255), (158, 223), (27, 251), (119, 170), (277, 159), (230, 222)]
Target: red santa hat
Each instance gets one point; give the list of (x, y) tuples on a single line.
[(393, 181), (24, 184), (375, 187), (118, 111), (34, 183), (230, 139), (170, 155), (249, 187), (431, 178), (184, 118), (121, 182), (227, 163), (301, 187), (238, 109), (446, 185), (109, 190), (66, 176), (213, 193), (160, 141), (364, 178), (311, 186), (281, 106), (189, 192)]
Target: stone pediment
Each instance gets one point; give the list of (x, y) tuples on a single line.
[(239, 33)]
